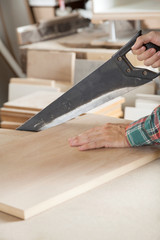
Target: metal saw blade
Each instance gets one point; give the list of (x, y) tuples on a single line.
[(102, 85)]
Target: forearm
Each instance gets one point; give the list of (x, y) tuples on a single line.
[(145, 131)]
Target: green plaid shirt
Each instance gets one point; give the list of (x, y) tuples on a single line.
[(145, 131)]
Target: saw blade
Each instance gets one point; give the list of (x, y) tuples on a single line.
[(102, 85)]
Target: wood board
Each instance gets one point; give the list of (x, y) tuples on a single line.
[(112, 108), (8, 136), (127, 9), (52, 65), (133, 113), (34, 102), (19, 87), (16, 115), (43, 13), (16, 112), (47, 172), (10, 125)]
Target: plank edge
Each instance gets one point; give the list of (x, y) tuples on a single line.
[(46, 205)]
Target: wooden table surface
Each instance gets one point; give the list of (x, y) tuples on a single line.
[(125, 208)]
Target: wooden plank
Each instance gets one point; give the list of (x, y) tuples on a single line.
[(82, 39), (15, 115), (99, 18), (8, 136), (34, 102), (148, 88), (43, 13), (51, 65), (137, 10), (149, 97), (144, 103), (19, 87), (133, 114), (151, 23), (10, 125), (112, 108), (84, 67), (47, 171)]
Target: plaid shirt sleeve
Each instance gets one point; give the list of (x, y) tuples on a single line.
[(145, 131)]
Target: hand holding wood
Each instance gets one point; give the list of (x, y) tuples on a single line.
[(107, 136)]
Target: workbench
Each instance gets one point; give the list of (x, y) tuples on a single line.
[(125, 208)]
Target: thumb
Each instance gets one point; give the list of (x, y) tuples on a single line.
[(152, 36)]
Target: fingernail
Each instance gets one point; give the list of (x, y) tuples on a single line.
[(152, 50), (74, 141), (158, 53)]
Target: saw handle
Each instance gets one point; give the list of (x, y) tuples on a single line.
[(152, 45), (127, 68)]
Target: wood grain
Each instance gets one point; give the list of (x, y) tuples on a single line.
[(9, 136), (41, 170)]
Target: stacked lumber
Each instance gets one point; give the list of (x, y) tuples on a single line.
[(16, 112), (19, 87), (46, 70), (112, 108), (144, 105)]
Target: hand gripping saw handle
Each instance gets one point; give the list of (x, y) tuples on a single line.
[(128, 69)]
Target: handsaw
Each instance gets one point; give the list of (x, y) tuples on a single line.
[(114, 78)]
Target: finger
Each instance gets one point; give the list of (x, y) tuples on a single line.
[(156, 64), (84, 137), (147, 54), (140, 41), (77, 141), (91, 145), (139, 51), (152, 60)]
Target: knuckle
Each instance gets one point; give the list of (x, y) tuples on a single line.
[(146, 63), (140, 58), (156, 64), (152, 33)]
